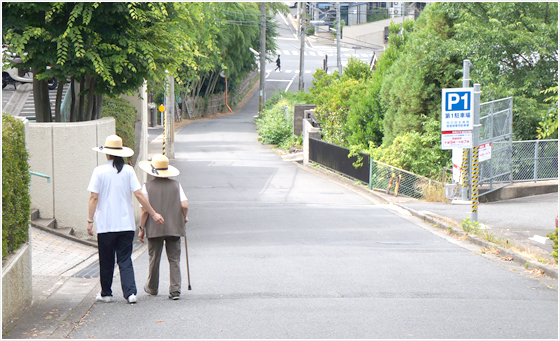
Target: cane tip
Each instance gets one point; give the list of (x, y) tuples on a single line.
[(190, 287)]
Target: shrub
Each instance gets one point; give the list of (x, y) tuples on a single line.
[(554, 237), (415, 152), (125, 117), (275, 126), (16, 202)]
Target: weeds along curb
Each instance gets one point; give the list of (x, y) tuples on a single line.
[(517, 258)]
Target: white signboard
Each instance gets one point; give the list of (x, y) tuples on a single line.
[(485, 152), (456, 139), (457, 109), (457, 159)]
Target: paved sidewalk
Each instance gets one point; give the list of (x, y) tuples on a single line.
[(65, 282)]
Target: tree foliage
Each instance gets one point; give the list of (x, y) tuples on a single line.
[(111, 48), (513, 48)]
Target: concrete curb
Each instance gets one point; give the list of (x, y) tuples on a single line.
[(454, 225)]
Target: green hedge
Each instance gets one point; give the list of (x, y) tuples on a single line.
[(125, 117), (16, 201)]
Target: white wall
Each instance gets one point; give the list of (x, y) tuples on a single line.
[(373, 33), (64, 152)]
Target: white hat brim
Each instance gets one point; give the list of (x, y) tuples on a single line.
[(146, 166), (124, 152)]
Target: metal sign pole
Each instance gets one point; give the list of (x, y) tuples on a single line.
[(466, 152), (475, 172)]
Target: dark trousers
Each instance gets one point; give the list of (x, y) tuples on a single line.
[(119, 244)]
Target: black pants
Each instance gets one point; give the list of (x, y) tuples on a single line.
[(119, 244)]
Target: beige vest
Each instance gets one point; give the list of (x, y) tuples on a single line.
[(165, 199)]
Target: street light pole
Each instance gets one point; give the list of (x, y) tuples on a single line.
[(262, 54), (338, 61), (301, 84)]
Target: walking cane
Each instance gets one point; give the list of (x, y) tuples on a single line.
[(187, 255)]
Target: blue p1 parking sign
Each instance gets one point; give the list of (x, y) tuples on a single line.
[(457, 109)]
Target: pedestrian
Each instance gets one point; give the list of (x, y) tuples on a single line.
[(166, 196), (110, 206), (278, 64)]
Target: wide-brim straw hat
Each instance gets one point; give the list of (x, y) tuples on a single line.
[(113, 146), (159, 167)]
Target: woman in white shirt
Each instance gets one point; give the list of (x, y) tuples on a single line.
[(110, 206)]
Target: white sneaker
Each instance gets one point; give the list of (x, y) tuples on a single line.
[(105, 299), (132, 299)]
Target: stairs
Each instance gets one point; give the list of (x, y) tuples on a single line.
[(49, 224)]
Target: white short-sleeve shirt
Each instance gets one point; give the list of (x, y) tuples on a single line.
[(114, 207)]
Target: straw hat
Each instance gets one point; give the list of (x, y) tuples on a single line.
[(113, 146), (159, 167)]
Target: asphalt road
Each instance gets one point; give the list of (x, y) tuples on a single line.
[(278, 252)]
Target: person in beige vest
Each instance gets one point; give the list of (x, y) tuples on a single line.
[(168, 198)]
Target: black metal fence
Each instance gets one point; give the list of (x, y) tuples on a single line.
[(336, 158)]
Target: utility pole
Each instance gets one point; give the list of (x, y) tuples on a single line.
[(338, 61), (169, 117), (262, 54), (402, 24), (298, 16), (301, 84)]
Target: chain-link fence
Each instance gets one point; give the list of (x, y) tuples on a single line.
[(534, 160), (496, 120), (385, 177), (519, 161)]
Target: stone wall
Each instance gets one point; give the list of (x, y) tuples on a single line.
[(16, 283)]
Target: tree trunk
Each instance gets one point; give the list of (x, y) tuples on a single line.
[(41, 100), (209, 84), (58, 102), (72, 100), (91, 81), (97, 107), (47, 112), (216, 79), (37, 98), (81, 99)]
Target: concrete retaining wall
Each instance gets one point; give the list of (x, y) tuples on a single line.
[(16, 283), (521, 189), (299, 114), (308, 131), (63, 151)]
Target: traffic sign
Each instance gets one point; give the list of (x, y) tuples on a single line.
[(456, 139), (485, 152), (457, 109)]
